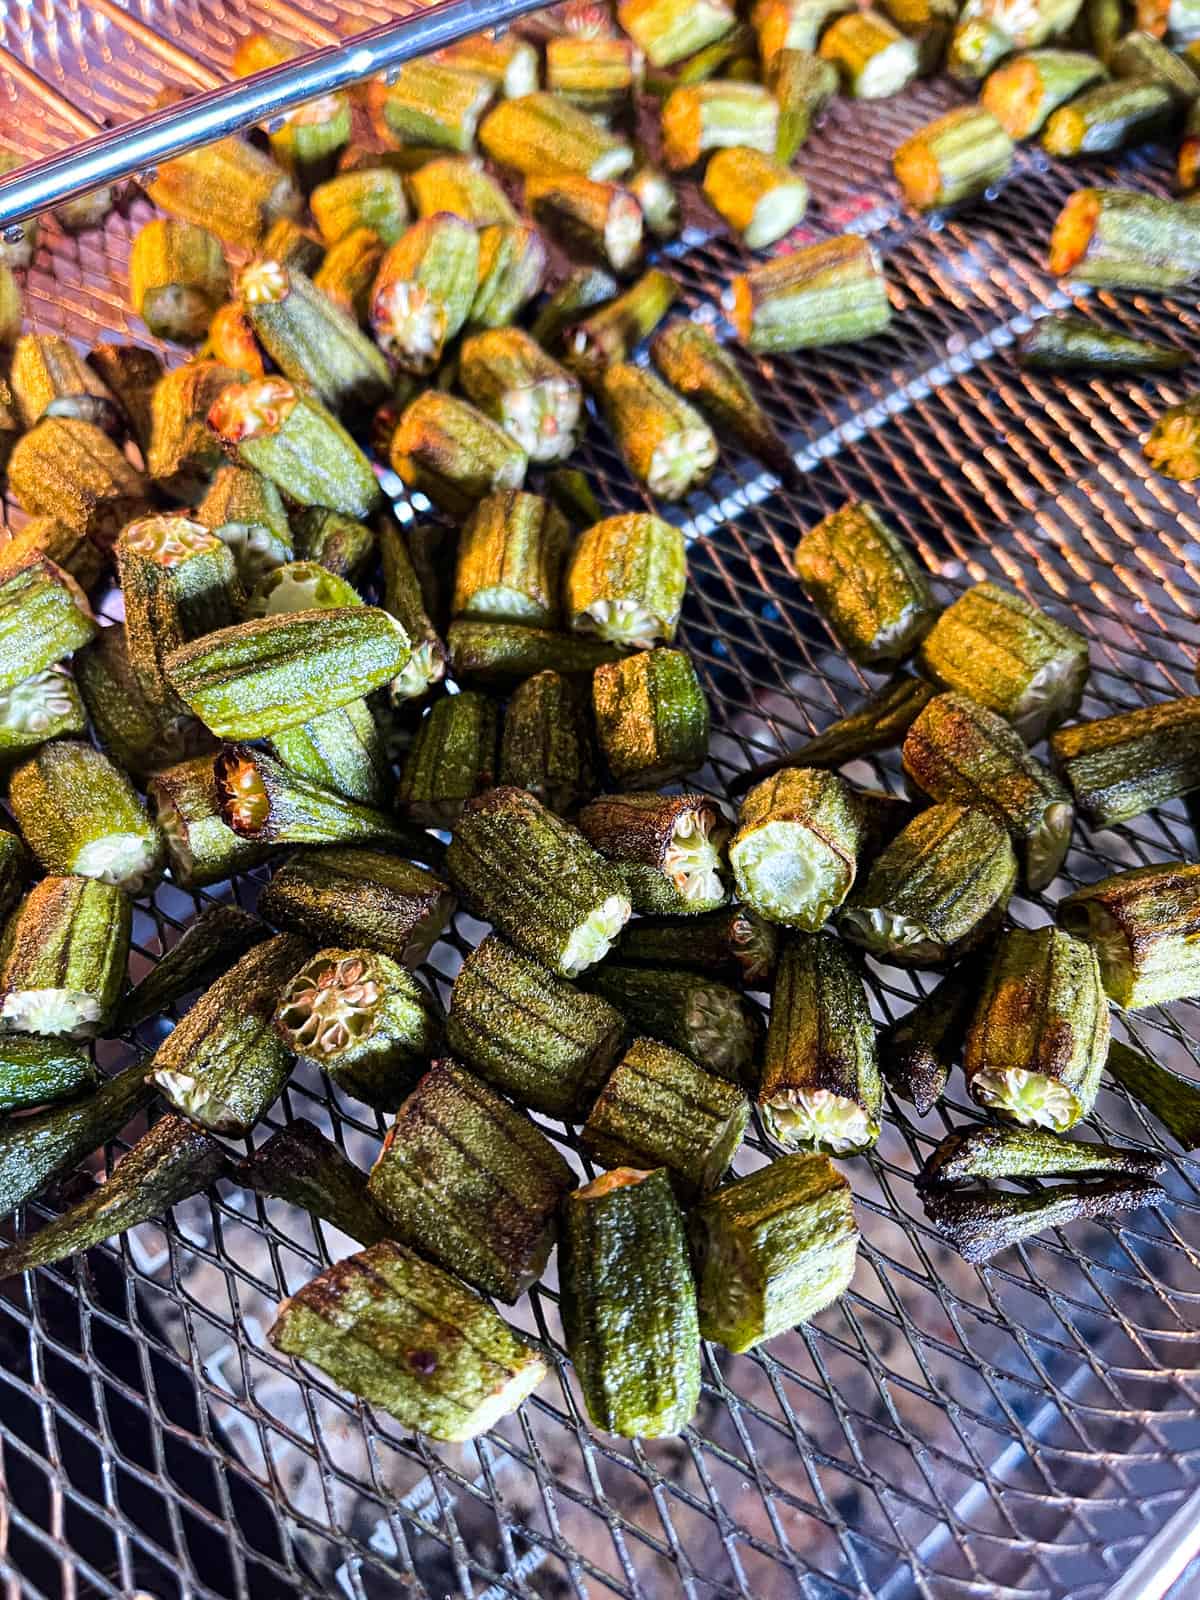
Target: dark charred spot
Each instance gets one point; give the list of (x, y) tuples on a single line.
[(423, 1361)]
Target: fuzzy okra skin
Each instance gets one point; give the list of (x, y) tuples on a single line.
[(652, 717), (803, 85), (600, 75), (73, 471), (510, 378), (262, 799), (371, 198), (223, 1065), (1024, 90), (201, 848), (1144, 926), (759, 197), (35, 1070), (129, 373), (917, 1053), (862, 578), (629, 1304), (1039, 1037), (512, 266), (342, 750), (547, 746), (251, 680), (537, 880), (231, 187), (207, 947), (596, 221), (733, 943), (668, 848), (63, 957), (540, 135), (692, 362), (348, 271), (458, 184), (772, 1249), (406, 1336), (341, 544), (470, 1181), (980, 1224), (996, 1150), (953, 158), (828, 293), (583, 289), (668, 32), (1108, 116), (428, 104), (510, 561), (245, 511), (300, 1165), (717, 115), (659, 1109), (528, 1033), (79, 814), (361, 1017), (351, 897), (507, 653), (609, 334), (183, 452), (49, 378), (14, 870), (874, 59), (795, 852), (177, 279), (452, 758), (1118, 767), (67, 547), (626, 580), (448, 450), (707, 1019), (1072, 344)]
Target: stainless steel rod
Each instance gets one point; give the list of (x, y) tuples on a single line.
[(138, 146)]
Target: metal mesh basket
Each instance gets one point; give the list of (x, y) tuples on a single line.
[(1024, 1429)]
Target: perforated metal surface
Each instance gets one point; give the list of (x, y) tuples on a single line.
[(1021, 1429)]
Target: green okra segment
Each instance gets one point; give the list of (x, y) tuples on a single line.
[(652, 717), (510, 561), (626, 580), (610, 334), (49, 378), (629, 1304), (544, 1043), (342, 544), (583, 289), (864, 581), (1023, 91), (223, 1065), (667, 32), (424, 290), (459, 185), (469, 1181), (596, 221), (828, 293), (707, 1019), (540, 135), (1117, 767), (773, 1249), (979, 1225), (44, 617), (342, 750), (929, 24), (14, 870), (512, 266), (1139, 56), (668, 848), (1039, 1035), (537, 880), (1173, 444), (350, 897), (1144, 926), (1107, 117), (404, 1335), (448, 450), (733, 943), (1175, 1101), (302, 1167), (177, 279), (760, 198), (874, 59), (795, 852), (937, 890), (820, 1088), (953, 158), (509, 652), (1008, 655), (361, 1017), (664, 440), (263, 800), (245, 511), (35, 1070), (659, 1109), (403, 599), (170, 1163), (803, 85), (1072, 344), (959, 750), (599, 75), (506, 374), (231, 187), (370, 198), (548, 747), (63, 957), (201, 848), (717, 115), (79, 814), (452, 758), (694, 364), (433, 106), (40, 708), (249, 681), (995, 1150), (917, 1053), (184, 452), (207, 947), (347, 273)]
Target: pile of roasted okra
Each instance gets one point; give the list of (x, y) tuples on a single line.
[(361, 285)]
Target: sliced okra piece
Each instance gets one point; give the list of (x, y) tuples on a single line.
[(570, 491), (512, 268), (177, 279), (347, 274), (953, 158), (629, 1304), (541, 135), (359, 897), (1175, 1101), (1140, 56), (424, 289), (759, 197), (707, 1019), (792, 25), (929, 24), (537, 880), (304, 141), (1109, 116), (1023, 91), (341, 750), (49, 378), (44, 707), (716, 115), (44, 617), (803, 85), (508, 652), (1002, 1150), (874, 59), (231, 187), (62, 959), (598, 221), (370, 197), (1072, 344), (917, 1053), (668, 848), (206, 948), (609, 335), (1117, 767), (299, 1165), (170, 1163), (79, 814), (937, 890), (1008, 655), (36, 1071), (795, 852), (734, 943), (828, 293), (459, 185), (655, 195), (581, 290), (626, 579), (231, 343), (447, 449), (508, 62), (184, 453), (201, 848), (1172, 446), (73, 471), (245, 511), (129, 372), (600, 75), (263, 800), (432, 106), (140, 737), (66, 547), (981, 1223), (452, 758), (402, 1334), (977, 44), (547, 747), (1143, 926), (513, 381), (1118, 239), (664, 440), (510, 561), (363, 1018), (652, 717), (223, 1065), (299, 586), (772, 1249), (402, 599), (667, 32)]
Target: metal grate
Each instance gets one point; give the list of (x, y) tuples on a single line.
[(1024, 1429)]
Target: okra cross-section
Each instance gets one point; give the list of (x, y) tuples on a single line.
[(44, 617), (664, 440), (513, 381), (1144, 926), (63, 958), (626, 580), (795, 852), (668, 848)]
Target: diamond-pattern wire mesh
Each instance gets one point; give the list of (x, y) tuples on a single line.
[(1022, 1429)]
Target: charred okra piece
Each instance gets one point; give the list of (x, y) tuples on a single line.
[(795, 851), (706, 1019), (581, 290), (512, 266), (35, 1071), (314, 343), (404, 1335), (452, 758), (507, 652), (1039, 1036), (510, 561), (72, 471), (458, 184), (80, 815), (960, 750), (204, 950), (953, 158), (828, 293), (362, 1018), (44, 617), (629, 1304), (803, 85), (223, 1065), (371, 198), (1024, 91), (1115, 238), (341, 750), (66, 547), (917, 1054), (599, 75), (820, 1088), (732, 943), (402, 599), (245, 511), (988, 31), (1071, 344), (1107, 117), (139, 736), (40, 708), (300, 1165), (1144, 926), (1006, 654), (304, 141), (263, 800), (979, 1224), (598, 221), (170, 1163), (759, 197), (248, 681), (341, 544), (299, 586), (937, 890), (665, 442), (433, 106), (547, 747), (772, 1249), (1173, 444), (996, 1150), (667, 847), (49, 378), (184, 453), (537, 880), (347, 274), (507, 375), (874, 59), (652, 717), (540, 135), (177, 279), (1175, 1101), (129, 373), (667, 32), (291, 438), (201, 847), (1118, 767), (62, 960), (448, 450), (717, 115), (469, 1180), (230, 187), (626, 580), (359, 897), (865, 583), (609, 335)]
